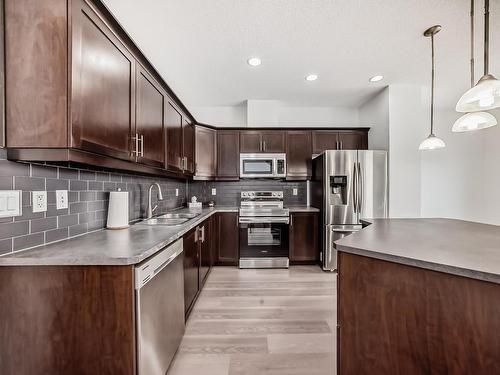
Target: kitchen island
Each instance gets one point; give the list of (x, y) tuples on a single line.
[(419, 296)]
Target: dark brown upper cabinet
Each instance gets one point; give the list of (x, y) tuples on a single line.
[(205, 153), (228, 155), (188, 147), (339, 140), (262, 141), (149, 138), (298, 154), (173, 124), (103, 87), (353, 140)]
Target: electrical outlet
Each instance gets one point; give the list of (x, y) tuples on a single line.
[(39, 199), (214, 191), (61, 199), (295, 191), (176, 192)]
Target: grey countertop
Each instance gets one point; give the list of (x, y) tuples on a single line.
[(109, 247), (452, 246)]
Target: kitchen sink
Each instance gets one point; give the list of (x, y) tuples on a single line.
[(187, 215), (169, 219), (163, 221)]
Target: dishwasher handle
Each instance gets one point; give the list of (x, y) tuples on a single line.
[(146, 271)]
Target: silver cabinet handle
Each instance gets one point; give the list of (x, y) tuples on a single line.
[(260, 146), (135, 152), (203, 234), (264, 145), (142, 145)]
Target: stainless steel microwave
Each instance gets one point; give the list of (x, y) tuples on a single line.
[(262, 165)]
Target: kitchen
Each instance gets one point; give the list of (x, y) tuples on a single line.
[(195, 204)]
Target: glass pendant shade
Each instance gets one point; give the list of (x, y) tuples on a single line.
[(485, 95), (474, 121), (432, 143)]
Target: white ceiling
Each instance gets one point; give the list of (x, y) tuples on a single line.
[(200, 47)]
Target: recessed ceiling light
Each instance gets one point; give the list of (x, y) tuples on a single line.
[(376, 78), (254, 61), (311, 77)]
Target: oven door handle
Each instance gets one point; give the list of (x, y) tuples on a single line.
[(264, 220)]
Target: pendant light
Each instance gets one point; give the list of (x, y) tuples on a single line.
[(432, 142), (473, 120), (485, 95)]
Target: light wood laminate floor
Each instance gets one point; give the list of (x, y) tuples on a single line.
[(266, 322)]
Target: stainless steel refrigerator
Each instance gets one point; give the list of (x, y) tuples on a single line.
[(347, 186)]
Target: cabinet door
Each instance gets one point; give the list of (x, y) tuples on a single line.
[(250, 141), (228, 155), (150, 105), (188, 146), (205, 140), (205, 252), (355, 140), (173, 124), (103, 98), (324, 140), (273, 141), (228, 235), (191, 262), (304, 237), (298, 154)]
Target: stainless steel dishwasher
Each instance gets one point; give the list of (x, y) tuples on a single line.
[(159, 289)]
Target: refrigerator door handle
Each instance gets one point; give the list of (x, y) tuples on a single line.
[(355, 188), (361, 188)]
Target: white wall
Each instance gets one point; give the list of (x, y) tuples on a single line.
[(375, 114), (274, 113), (407, 120)]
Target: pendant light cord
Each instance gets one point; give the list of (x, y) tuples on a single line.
[(432, 86), (486, 35)]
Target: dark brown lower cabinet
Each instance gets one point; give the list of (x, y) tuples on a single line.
[(205, 251), (191, 265), (404, 320), (228, 239), (303, 238), (62, 320)]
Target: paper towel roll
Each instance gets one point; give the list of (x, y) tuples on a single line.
[(118, 210)]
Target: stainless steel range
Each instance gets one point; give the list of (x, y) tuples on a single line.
[(263, 224)]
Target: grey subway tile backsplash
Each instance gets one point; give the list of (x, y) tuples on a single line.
[(31, 240), (88, 195)]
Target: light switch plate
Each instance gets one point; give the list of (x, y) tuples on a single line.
[(39, 199), (214, 191), (61, 199), (295, 191), (11, 203)]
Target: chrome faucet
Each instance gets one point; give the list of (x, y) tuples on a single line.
[(151, 209)]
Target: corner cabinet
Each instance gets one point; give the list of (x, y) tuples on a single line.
[(205, 153)]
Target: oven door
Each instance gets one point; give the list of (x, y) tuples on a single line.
[(256, 166), (262, 237)]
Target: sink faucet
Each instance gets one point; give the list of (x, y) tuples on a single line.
[(160, 198)]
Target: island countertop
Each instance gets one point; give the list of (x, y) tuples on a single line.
[(446, 245), (109, 247)]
